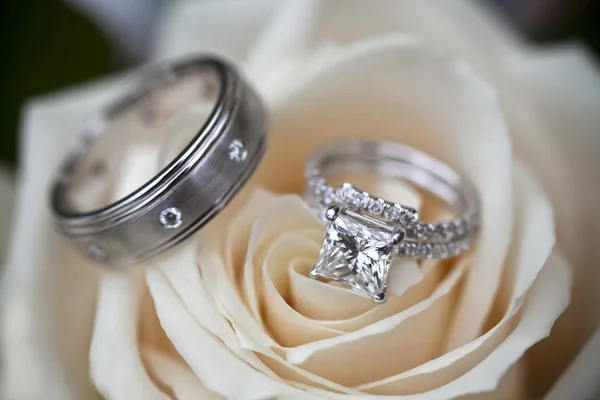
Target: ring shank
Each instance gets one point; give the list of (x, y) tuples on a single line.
[(423, 240), (130, 230)]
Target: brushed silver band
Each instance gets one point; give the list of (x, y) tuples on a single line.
[(443, 239), (188, 192)]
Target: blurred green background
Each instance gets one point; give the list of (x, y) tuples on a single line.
[(47, 45), (50, 44)]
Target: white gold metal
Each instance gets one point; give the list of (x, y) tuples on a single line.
[(397, 236), (381, 298), (405, 233), (188, 192), (332, 212)]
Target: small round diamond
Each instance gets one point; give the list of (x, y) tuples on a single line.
[(438, 232), (444, 250), (376, 207), (329, 196), (359, 200), (425, 251), (459, 227), (366, 200), (422, 231), (409, 249), (320, 187), (409, 217), (392, 212), (170, 218), (453, 249), (347, 193), (426, 231), (435, 250), (237, 152)]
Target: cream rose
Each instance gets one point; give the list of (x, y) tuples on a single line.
[(233, 315)]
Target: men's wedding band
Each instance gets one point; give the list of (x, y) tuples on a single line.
[(188, 192)]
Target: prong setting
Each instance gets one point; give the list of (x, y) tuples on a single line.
[(397, 236), (332, 212), (381, 297)]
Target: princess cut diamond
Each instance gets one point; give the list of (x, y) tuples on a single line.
[(356, 252)]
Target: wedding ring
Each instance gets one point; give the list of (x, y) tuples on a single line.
[(216, 160), (365, 232)]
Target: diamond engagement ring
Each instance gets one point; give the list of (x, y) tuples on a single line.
[(224, 146), (365, 232)]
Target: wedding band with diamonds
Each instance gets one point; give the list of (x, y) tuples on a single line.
[(227, 144), (365, 232)]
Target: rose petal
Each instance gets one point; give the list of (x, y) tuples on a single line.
[(115, 339), (175, 376), (238, 230), (317, 301), (413, 333), (181, 271), (299, 32), (221, 370), (306, 302), (533, 241), (206, 27), (403, 274), (236, 311), (279, 262), (581, 381), (218, 267), (286, 325), (546, 300), (567, 115), (277, 222), (513, 385), (179, 268), (45, 334), (115, 333), (433, 272)]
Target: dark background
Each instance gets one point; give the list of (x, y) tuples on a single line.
[(50, 44)]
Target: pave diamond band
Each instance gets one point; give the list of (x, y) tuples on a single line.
[(423, 240), (363, 230)]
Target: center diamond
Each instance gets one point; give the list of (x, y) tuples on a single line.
[(356, 252)]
